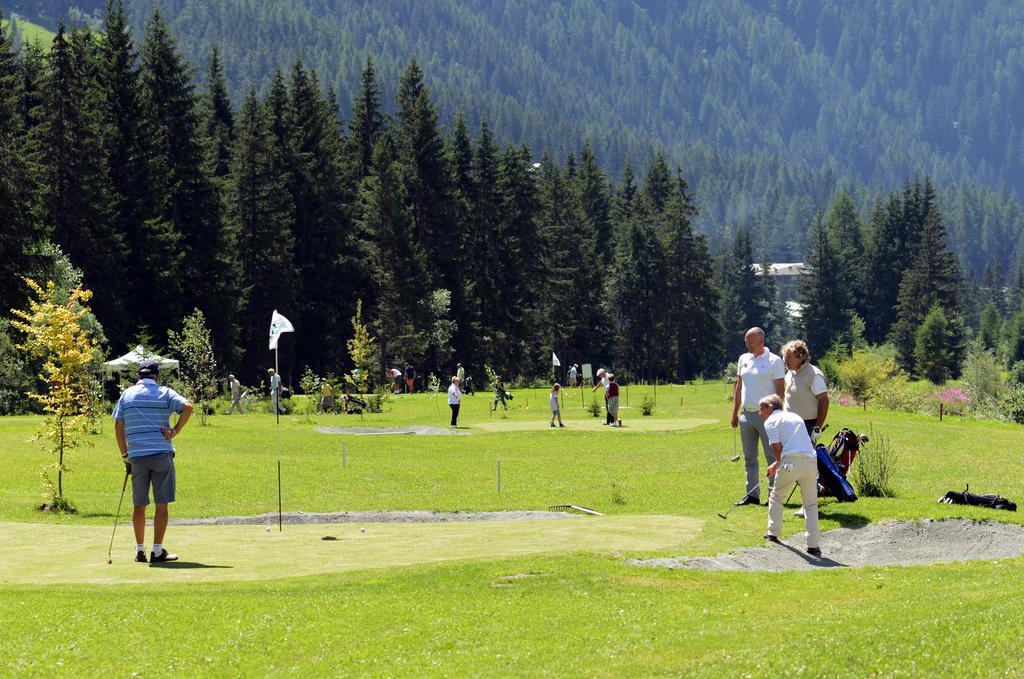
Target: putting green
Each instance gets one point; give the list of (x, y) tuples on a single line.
[(632, 424), (58, 554)]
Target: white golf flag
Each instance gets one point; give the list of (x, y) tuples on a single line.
[(554, 360), (278, 324)]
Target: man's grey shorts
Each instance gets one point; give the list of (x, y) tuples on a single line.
[(156, 470)]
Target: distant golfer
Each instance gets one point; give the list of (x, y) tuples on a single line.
[(455, 400), (573, 373), (759, 373), (326, 397), (410, 378), (396, 377), (275, 391), (143, 431), (613, 400), (460, 372), (235, 387), (556, 410), (806, 390), (795, 462), (603, 383)]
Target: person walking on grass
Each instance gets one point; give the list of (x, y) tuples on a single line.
[(556, 410), (794, 462), (759, 373), (455, 400), (326, 397), (235, 388), (613, 401), (143, 432), (410, 378)]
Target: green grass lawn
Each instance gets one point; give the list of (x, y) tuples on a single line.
[(33, 33), (526, 598)]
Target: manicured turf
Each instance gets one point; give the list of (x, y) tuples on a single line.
[(514, 599)]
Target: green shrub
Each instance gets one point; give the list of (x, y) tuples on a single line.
[(1017, 374), (375, 402), (898, 394), (874, 467), (595, 407), (1012, 404), (866, 371), (647, 406)]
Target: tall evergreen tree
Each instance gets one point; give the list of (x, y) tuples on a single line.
[(323, 233), (260, 210), (367, 122), (741, 294), (19, 204), (691, 295), (933, 357), (991, 327), (846, 241), (594, 193), (888, 256), (397, 261), (637, 293), (218, 118), (75, 181), (824, 296), (933, 278), (184, 197)]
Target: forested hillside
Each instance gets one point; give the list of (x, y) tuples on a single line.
[(769, 106)]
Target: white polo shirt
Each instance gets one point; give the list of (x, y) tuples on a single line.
[(757, 376), (789, 429), (454, 395)]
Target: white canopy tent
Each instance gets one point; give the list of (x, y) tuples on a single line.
[(130, 361)]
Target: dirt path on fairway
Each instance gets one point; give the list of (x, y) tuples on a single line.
[(899, 543), (377, 431), (380, 516)]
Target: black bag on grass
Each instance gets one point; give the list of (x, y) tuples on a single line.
[(988, 500)]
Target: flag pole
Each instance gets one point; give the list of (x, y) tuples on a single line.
[(277, 414)]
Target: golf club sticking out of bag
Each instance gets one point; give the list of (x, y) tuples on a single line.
[(117, 516), (749, 493)]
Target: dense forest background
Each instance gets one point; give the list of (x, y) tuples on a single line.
[(772, 108), (165, 186)]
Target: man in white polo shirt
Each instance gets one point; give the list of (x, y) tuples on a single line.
[(795, 462), (759, 373)]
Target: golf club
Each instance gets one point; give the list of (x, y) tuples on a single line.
[(735, 456), (749, 493), (118, 515)]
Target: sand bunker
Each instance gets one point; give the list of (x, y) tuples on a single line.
[(412, 516), (900, 543), (378, 431)]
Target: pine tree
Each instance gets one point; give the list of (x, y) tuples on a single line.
[(932, 352), (888, 256), (846, 240), (396, 260), (218, 118), (741, 294), (991, 327), (594, 193), (367, 122), (75, 180), (184, 197), (691, 295), (637, 292), (934, 278), (19, 200), (259, 208), (321, 225), (824, 296)]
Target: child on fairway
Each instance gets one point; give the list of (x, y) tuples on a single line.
[(556, 411)]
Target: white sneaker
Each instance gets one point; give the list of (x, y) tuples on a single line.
[(800, 513)]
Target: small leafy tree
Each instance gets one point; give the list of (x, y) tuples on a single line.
[(55, 333), (876, 463), (198, 367), (310, 384), (361, 349)]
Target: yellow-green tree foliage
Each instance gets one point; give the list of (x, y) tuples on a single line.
[(361, 349), (55, 333)]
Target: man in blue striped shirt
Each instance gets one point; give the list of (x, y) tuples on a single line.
[(143, 428)]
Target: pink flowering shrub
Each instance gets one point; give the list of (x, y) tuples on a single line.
[(846, 400), (955, 399)]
